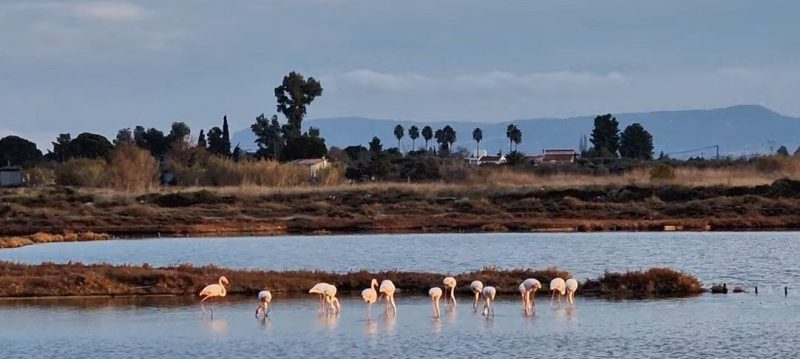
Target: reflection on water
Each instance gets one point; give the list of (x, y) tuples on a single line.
[(767, 259), (713, 326)]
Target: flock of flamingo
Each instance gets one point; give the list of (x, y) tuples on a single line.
[(328, 302)]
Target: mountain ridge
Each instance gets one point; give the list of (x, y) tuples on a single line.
[(738, 130)]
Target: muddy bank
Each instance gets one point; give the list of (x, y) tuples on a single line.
[(75, 279), (398, 208)]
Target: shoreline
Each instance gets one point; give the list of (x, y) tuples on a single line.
[(79, 280)]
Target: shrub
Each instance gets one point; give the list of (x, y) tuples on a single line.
[(131, 169), (662, 172), (81, 172)]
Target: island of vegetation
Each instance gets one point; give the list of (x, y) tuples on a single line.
[(75, 279)]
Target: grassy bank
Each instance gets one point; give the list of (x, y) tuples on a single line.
[(75, 279), (398, 208)]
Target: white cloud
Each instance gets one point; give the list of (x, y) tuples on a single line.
[(492, 80), (109, 11)]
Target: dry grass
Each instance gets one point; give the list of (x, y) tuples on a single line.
[(75, 279), (41, 237), (652, 283)]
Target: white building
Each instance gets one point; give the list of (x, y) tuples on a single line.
[(11, 176)]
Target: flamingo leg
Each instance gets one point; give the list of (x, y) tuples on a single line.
[(453, 295), (394, 306)]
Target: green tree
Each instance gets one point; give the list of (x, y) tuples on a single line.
[(375, 145), (509, 133), (152, 140), (449, 136), (226, 135), (516, 137), (782, 151), (236, 155), (18, 151), (605, 135), (636, 143), (477, 135), (201, 140), (399, 132), (269, 136), (124, 136), (216, 142), (313, 131), (179, 132), (61, 147), (90, 145), (427, 134), (413, 134), (294, 95), (304, 146)]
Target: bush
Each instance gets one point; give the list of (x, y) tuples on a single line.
[(132, 169), (81, 172), (662, 172)]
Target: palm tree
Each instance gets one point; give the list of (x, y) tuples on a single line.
[(509, 134), (477, 135), (449, 136), (398, 132), (413, 133), (427, 134), (516, 137)]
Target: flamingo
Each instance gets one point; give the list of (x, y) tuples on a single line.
[(264, 298), (450, 283), (319, 289), (531, 286), (387, 288), (436, 294), (477, 287), (557, 285), (488, 296), (370, 295), (213, 290), (572, 287), (330, 297)]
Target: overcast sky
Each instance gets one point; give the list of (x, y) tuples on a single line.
[(76, 66)]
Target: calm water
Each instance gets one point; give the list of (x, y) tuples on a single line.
[(767, 259), (710, 326), (732, 325)]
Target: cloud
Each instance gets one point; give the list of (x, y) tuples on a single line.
[(106, 11), (491, 80)]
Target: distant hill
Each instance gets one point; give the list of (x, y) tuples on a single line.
[(744, 129)]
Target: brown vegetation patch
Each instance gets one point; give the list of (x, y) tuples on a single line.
[(75, 279)]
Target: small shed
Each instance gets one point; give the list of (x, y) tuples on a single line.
[(312, 164), (11, 176)]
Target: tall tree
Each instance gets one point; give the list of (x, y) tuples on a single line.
[(605, 135), (124, 136), (18, 151), (90, 145), (636, 143), (152, 140), (449, 136), (269, 136), (413, 134), (179, 132), (61, 147), (399, 132), (216, 142), (201, 140), (226, 135), (510, 135), (516, 137), (293, 95), (439, 135), (427, 134), (477, 135)]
